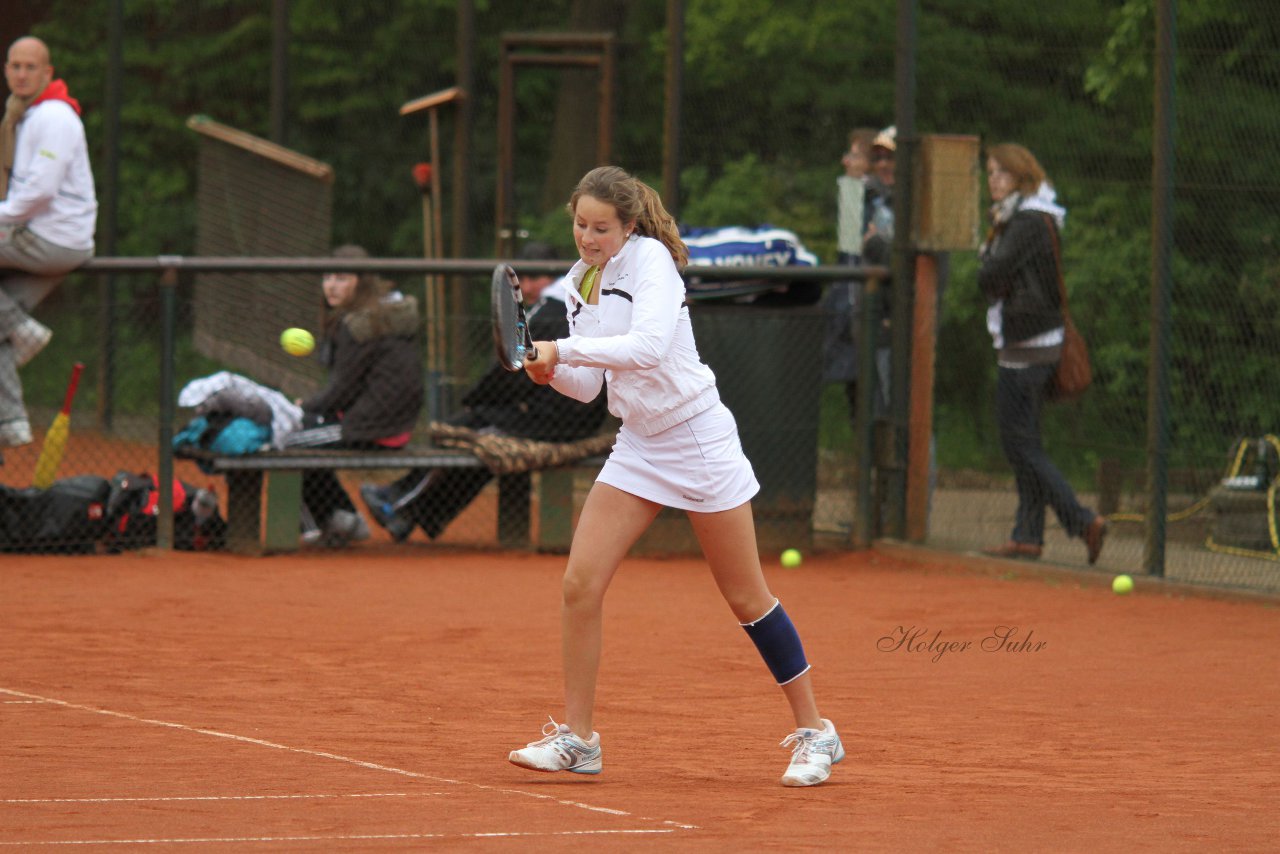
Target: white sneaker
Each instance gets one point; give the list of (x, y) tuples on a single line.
[(816, 750), (344, 527), (15, 433), (28, 338), (561, 750)]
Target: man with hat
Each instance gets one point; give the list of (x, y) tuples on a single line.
[(880, 188), (877, 248)]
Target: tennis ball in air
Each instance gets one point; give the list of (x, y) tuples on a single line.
[(791, 558), (1122, 584), (297, 342)]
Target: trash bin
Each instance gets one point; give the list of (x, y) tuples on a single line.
[(768, 366)]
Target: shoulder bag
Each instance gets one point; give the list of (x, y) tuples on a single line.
[(1074, 373)]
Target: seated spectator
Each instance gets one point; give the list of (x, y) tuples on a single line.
[(501, 402), (370, 344), (48, 211)]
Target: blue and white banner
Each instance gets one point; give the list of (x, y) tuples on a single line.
[(738, 246)]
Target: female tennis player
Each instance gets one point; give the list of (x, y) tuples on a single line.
[(678, 447)]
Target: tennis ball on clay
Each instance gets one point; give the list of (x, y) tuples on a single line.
[(297, 342), (791, 558), (1122, 584)]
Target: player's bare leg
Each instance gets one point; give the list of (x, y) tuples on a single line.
[(611, 522), (728, 541)]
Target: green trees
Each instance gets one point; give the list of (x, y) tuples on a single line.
[(771, 90)]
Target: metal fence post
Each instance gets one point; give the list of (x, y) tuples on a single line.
[(864, 527), (903, 265), (168, 403), (1161, 284)]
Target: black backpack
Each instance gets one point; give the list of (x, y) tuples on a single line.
[(133, 511), (67, 518)]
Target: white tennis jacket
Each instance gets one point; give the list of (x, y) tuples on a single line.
[(51, 189), (638, 339)]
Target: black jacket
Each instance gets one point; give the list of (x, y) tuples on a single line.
[(1021, 268), (517, 406), (375, 372)]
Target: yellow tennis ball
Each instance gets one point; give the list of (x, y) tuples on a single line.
[(297, 342), (1122, 584), (791, 558)]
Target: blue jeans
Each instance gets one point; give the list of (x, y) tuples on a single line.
[(1019, 399)]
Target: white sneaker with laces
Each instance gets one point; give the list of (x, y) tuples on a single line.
[(815, 751), (28, 338), (14, 434), (561, 750)]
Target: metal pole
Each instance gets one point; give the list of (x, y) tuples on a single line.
[(1162, 177), (902, 266), (504, 217), (279, 69), (675, 96), (433, 142), (920, 425), (608, 86), (108, 224), (865, 510), (462, 131), (433, 241), (168, 405)]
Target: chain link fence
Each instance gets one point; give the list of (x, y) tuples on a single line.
[(1222, 320), (761, 131)]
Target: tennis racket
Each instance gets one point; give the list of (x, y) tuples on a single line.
[(511, 340)]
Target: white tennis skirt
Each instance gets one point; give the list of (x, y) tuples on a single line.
[(697, 465)]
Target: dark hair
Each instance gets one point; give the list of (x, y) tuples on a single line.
[(636, 203), (370, 287), (536, 250)]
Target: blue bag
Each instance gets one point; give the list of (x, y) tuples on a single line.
[(222, 434)]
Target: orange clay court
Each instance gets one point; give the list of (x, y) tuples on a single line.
[(366, 701)]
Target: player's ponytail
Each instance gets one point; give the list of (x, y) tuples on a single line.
[(655, 222), (636, 202)]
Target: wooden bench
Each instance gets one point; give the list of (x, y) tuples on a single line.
[(281, 473)]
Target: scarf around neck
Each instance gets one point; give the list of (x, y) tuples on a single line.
[(14, 109)]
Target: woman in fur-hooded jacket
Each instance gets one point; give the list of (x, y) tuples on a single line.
[(372, 399), (371, 348)]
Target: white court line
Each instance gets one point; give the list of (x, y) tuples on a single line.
[(354, 837), (213, 798), (334, 756)]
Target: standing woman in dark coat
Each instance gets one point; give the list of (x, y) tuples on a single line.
[(1019, 278), (371, 347)]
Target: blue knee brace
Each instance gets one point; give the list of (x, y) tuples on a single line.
[(779, 644)]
